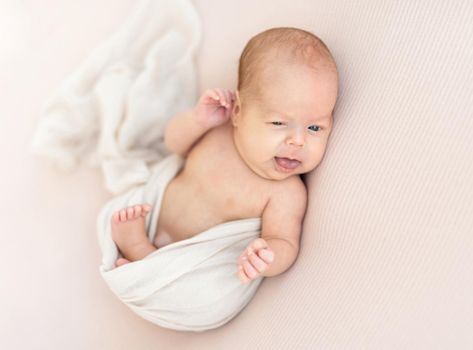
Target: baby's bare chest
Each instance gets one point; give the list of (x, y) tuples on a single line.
[(212, 188)]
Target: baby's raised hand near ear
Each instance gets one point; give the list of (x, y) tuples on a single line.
[(214, 107), (255, 260)]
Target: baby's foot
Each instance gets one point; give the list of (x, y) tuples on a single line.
[(129, 232), (121, 262)]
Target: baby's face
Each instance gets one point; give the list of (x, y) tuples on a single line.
[(293, 120)]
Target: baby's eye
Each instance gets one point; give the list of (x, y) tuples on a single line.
[(277, 123), (318, 127)]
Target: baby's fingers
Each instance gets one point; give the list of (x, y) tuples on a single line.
[(250, 270), (242, 275), (267, 255), (225, 97), (259, 265), (210, 94), (228, 98), (219, 97)]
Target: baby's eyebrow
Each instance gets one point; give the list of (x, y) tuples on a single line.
[(322, 117), (312, 118)]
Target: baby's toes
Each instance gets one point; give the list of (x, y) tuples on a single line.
[(137, 211), (130, 213), (116, 217), (123, 215), (145, 208)]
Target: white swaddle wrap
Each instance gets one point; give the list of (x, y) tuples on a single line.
[(114, 109), (186, 285)]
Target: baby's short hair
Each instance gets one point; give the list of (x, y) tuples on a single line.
[(292, 45)]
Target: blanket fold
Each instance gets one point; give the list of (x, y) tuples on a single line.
[(187, 285)]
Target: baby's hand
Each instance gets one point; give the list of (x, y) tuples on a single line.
[(255, 260), (214, 107)]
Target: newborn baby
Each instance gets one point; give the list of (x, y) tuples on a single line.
[(244, 152)]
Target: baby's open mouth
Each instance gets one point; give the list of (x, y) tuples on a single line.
[(287, 164)]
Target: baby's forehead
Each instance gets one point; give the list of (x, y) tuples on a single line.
[(299, 104)]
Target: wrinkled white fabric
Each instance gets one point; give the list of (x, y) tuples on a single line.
[(186, 285), (112, 111)]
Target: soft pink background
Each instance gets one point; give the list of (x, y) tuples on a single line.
[(385, 259)]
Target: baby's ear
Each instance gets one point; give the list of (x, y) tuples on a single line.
[(236, 109)]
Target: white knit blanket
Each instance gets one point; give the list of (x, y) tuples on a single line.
[(112, 112)]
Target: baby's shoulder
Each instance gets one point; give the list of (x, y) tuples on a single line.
[(290, 190), (285, 210), (219, 135)]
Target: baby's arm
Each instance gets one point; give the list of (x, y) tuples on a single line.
[(282, 225), (182, 132), (186, 128)]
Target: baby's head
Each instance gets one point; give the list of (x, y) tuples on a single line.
[(287, 89)]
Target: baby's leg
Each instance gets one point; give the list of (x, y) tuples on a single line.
[(129, 233)]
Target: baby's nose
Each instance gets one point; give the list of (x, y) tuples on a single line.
[(296, 139)]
